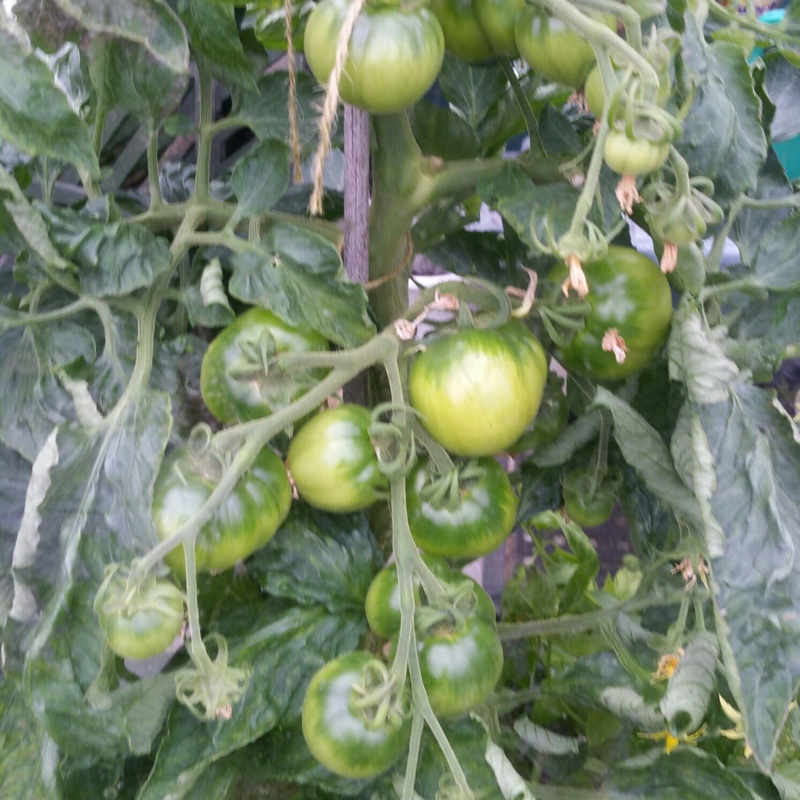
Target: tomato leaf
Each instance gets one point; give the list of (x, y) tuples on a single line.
[(686, 772), (481, 253), (472, 90), (32, 398), (756, 454), (441, 132), (646, 452), (775, 266), (114, 258), (722, 134), (35, 115), (265, 110), (214, 37), (284, 650), (318, 558), (299, 275), (260, 178), (772, 323), (149, 23)]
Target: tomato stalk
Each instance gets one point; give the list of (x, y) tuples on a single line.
[(630, 18)]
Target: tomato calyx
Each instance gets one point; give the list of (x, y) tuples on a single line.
[(446, 490), (378, 699), (125, 593), (210, 688), (394, 442)]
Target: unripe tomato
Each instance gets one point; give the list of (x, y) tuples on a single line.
[(236, 386), (553, 49), (584, 503), (478, 389), (463, 36), (333, 462), (628, 292), (633, 156), (497, 19), (247, 519), (394, 55)]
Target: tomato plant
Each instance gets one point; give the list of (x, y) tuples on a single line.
[(479, 389), (463, 34), (497, 19), (333, 461), (394, 55), (236, 380), (165, 166), (349, 741), (627, 294), (587, 501), (552, 48), (245, 522), (139, 621), (469, 520), (460, 665)]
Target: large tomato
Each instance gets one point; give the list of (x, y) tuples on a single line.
[(463, 36), (460, 665), (333, 462), (550, 420), (346, 740), (393, 58), (628, 293), (553, 49), (382, 605), (497, 19), (478, 389), (247, 519), (142, 621), (234, 378), (480, 519)]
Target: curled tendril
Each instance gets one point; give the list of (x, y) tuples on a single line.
[(527, 297), (205, 456), (210, 689), (394, 441)]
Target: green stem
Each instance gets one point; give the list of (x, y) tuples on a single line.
[(576, 623), (417, 726), (749, 22), (437, 454), (549, 791), (197, 650), (205, 133), (630, 19), (748, 283), (156, 200), (46, 317), (531, 124)]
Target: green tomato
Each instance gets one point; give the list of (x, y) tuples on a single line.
[(234, 380), (553, 49), (478, 389), (382, 604), (497, 19), (550, 420), (247, 519), (393, 58), (342, 738), (627, 292), (584, 503), (633, 156), (594, 91), (463, 36), (143, 623), (333, 462), (460, 665), (481, 519)]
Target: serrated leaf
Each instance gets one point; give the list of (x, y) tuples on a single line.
[(545, 741), (29, 223), (260, 177), (129, 76), (35, 115), (266, 110), (32, 399), (472, 90), (626, 703), (688, 694), (772, 321), (645, 451), (575, 436), (284, 650), (696, 357), (268, 22), (685, 773), (97, 507), (479, 253), (722, 134), (114, 258), (757, 466), (511, 784), (149, 23), (776, 266), (319, 558), (299, 275), (214, 36), (439, 131)]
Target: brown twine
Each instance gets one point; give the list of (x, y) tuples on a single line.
[(330, 106), (294, 132)]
